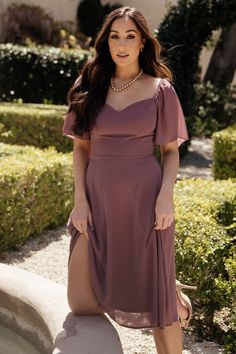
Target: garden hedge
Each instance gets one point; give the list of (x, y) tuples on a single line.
[(33, 124), (38, 74), (224, 153), (184, 31), (36, 190), (205, 249)]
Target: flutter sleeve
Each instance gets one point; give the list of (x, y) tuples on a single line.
[(171, 123), (69, 120)]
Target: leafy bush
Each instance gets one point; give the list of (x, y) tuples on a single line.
[(33, 124), (183, 37), (209, 117), (205, 249), (107, 8), (39, 74), (91, 15), (21, 22), (36, 190), (224, 153), (31, 25)]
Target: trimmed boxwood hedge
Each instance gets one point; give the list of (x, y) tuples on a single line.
[(33, 124), (39, 74), (224, 153), (205, 248), (36, 190)]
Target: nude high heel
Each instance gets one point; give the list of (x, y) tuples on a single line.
[(184, 300)]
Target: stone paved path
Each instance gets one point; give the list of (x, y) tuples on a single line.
[(197, 162)]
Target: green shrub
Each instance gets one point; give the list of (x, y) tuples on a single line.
[(209, 102), (22, 22), (36, 190), (38, 74), (91, 15), (205, 248), (33, 124), (224, 153), (183, 38)]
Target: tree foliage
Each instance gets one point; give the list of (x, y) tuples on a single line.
[(183, 33)]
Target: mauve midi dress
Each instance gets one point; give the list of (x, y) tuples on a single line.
[(132, 264)]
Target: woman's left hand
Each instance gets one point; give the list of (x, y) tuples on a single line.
[(164, 210)]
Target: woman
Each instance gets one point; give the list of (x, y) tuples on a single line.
[(121, 106)]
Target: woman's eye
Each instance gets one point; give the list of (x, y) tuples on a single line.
[(114, 36)]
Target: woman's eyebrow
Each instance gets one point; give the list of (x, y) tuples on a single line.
[(130, 30)]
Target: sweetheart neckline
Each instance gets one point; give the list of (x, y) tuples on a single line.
[(140, 101)]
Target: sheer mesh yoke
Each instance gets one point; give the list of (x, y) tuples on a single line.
[(132, 264)]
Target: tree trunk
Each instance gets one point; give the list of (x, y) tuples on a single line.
[(222, 65)]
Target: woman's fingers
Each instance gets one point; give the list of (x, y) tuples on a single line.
[(81, 225), (84, 229), (163, 221), (81, 217), (166, 223)]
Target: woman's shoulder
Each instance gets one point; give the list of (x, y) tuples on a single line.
[(164, 88), (159, 83), (150, 85), (146, 77)]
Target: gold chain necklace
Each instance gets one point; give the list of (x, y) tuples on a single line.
[(127, 85)]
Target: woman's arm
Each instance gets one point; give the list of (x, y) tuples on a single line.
[(81, 153), (170, 166), (81, 214), (164, 203)]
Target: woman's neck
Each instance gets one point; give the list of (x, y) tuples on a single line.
[(127, 73)]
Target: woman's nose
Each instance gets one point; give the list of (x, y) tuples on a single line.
[(122, 44)]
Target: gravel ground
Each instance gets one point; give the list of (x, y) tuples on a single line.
[(197, 162), (47, 256)]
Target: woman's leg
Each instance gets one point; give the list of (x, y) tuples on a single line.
[(81, 297), (169, 340)]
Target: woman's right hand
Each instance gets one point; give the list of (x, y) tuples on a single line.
[(81, 216)]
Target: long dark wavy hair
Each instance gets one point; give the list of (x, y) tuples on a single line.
[(88, 94)]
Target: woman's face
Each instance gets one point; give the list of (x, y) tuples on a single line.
[(125, 38)]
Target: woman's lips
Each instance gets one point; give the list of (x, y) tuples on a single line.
[(122, 56)]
